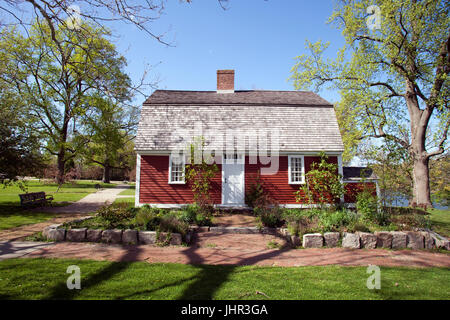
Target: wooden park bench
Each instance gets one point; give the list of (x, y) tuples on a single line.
[(35, 198)]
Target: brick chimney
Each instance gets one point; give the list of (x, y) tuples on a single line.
[(225, 81)]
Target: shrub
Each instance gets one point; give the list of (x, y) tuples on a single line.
[(116, 214), (171, 223), (366, 204), (189, 213), (297, 221), (332, 221), (323, 184), (255, 192), (269, 212), (148, 218)]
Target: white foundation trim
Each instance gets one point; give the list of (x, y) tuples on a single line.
[(138, 180)]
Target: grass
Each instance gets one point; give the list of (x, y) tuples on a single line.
[(127, 200), (13, 215), (128, 192), (46, 279), (440, 220)]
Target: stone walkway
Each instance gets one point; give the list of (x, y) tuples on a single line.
[(234, 256), (88, 204)]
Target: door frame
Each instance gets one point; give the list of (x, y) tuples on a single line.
[(243, 182)]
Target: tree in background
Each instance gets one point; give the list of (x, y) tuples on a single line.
[(57, 79), (20, 152), (393, 78), (111, 128)]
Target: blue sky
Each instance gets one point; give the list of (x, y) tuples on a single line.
[(258, 39)]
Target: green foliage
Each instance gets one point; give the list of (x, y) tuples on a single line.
[(115, 214), (268, 212), (171, 223), (192, 214), (298, 221), (334, 221), (56, 72), (366, 204), (199, 174), (323, 184), (148, 218), (393, 80), (255, 192)]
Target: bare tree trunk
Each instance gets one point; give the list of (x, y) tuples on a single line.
[(419, 122), (421, 191), (60, 178), (106, 174)]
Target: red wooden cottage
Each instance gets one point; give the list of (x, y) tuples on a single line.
[(273, 136)]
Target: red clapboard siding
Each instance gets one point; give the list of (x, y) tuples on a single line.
[(277, 185), (155, 188), (352, 190)]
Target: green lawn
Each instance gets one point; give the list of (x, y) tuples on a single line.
[(129, 192), (46, 279), (441, 221), (12, 215), (127, 200)]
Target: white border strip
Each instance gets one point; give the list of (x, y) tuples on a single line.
[(138, 180)]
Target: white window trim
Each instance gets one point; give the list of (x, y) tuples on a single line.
[(289, 168), (170, 171)]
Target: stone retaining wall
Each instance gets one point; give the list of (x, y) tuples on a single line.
[(381, 239), (56, 233)]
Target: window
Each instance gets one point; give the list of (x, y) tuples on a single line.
[(176, 169), (296, 169)]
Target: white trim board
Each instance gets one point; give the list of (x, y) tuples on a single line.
[(138, 180)]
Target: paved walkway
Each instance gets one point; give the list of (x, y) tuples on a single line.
[(91, 202), (234, 256)]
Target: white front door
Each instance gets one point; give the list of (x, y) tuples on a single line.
[(233, 179)]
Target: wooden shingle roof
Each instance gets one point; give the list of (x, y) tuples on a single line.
[(303, 120)]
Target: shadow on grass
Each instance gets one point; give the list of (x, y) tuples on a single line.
[(61, 292)]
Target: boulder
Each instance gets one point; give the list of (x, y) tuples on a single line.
[(428, 240), (147, 237), (415, 240), (295, 240), (94, 235), (440, 241), (331, 239), (350, 240), (112, 236), (368, 240), (56, 234), (384, 239), (312, 240), (50, 227), (399, 240), (76, 235), (176, 239), (129, 236)]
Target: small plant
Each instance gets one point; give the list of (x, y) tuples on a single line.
[(148, 218), (170, 223), (272, 244), (268, 212), (255, 192), (297, 221), (366, 204), (116, 214), (333, 221)]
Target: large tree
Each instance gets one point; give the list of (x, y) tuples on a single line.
[(111, 128), (20, 152), (393, 78), (56, 78)]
